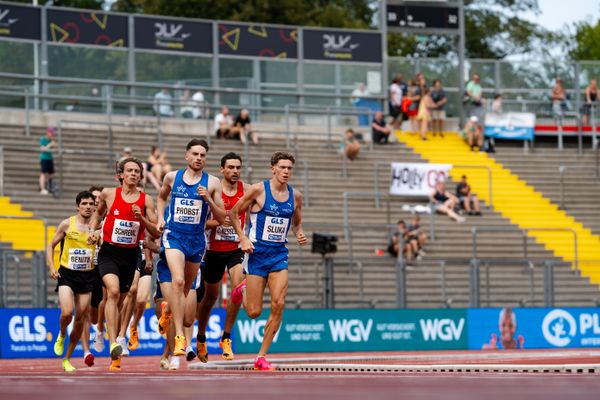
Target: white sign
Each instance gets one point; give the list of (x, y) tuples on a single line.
[(417, 179), (512, 125)]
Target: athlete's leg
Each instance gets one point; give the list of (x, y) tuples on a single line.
[(111, 309), (82, 303), (278, 284), (101, 315), (236, 276), (143, 293), (176, 297), (253, 298), (66, 302), (211, 294), (128, 305)]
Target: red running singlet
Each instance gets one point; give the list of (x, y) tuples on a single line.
[(224, 238), (121, 227)]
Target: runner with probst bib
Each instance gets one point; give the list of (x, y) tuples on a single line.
[(130, 212)]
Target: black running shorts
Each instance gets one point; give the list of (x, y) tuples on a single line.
[(217, 261), (80, 282), (120, 261)]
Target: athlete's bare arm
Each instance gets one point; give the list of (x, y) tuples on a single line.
[(297, 219), (248, 199), (212, 195), (149, 220), (59, 235), (161, 200), (105, 200)]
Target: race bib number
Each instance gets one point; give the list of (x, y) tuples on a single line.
[(187, 211), (125, 232), (275, 229), (226, 233), (80, 259)]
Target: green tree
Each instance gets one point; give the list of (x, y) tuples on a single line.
[(87, 4), (587, 41)]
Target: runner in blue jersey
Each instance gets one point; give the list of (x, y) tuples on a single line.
[(193, 192), (275, 207)]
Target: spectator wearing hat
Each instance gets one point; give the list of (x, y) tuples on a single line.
[(473, 133), (47, 143)]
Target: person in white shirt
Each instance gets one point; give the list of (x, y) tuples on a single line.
[(162, 103), (358, 93), (198, 105), (395, 101), (223, 124)]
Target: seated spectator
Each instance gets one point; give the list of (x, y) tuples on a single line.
[(186, 104), (350, 145), (224, 124), (380, 129), (127, 152), (591, 97), (466, 199), (400, 238), (163, 103), (243, 127), (416, 237), (497, 103), (157, 163), (198, 103), (559, 99), (473, 133), (444, 202)]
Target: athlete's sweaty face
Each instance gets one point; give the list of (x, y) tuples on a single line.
[(86, 207), (231, 171), (131, 174), (282, 171), (196, 158)]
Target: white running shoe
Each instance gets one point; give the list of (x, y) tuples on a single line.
[(121, 341), (173, 363), (99, 341)]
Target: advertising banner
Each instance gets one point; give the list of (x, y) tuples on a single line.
[(534, 328), (172, 34), (87, 27), (356, 330), (31, 333), (19, 22), (512, 125), (417, 179), (258, 41), (337, 45)]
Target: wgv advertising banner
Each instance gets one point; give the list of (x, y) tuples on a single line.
[(416, 179), (512, 125), (356, 330), (533, 328), (31, 333)]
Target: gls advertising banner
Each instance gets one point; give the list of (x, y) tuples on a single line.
[(535, 328), (417, 179), (356, 330), (338, 45), (512, 125), (30, 333)]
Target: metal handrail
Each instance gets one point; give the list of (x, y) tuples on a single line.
[(525, 232), (564, 168)]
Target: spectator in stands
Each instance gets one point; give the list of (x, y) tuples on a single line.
[(47, 143), (416, 237), (438, 115), (591, 97), (358, 93), (444, 202), (163, 103), (127, 152), (157, 163), (424, 114), (466, 199), (473, 133), (395, 101), (243, 127), (224, 124), (186, 104), (559, 99), (198, 104), (380, 129), (412, 105), (475, 97), (350, 145), (497, 103), (400, 238)]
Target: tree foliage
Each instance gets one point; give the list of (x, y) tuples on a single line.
[(586, 42), (88, 4)]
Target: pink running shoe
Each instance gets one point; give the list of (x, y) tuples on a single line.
[(261, 364), (237, 294)]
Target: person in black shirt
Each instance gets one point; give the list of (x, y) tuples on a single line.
[(243, 127), (380, 129), (444, 202), (469, 201)]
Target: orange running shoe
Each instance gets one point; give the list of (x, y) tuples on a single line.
[(165, 319), (115, 365), (133, 338), (180, 345)]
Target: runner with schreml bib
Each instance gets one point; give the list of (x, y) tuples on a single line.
[(130, 212), (223, 252)]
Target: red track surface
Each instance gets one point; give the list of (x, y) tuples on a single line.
[(141, 378)]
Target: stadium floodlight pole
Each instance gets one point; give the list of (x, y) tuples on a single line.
[(384, 47), (461, 60)]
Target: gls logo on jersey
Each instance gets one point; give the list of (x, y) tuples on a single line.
[(444, 329), (253, 330), (22, 329), (352, 330)]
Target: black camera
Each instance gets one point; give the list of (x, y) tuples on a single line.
[(324, 243)]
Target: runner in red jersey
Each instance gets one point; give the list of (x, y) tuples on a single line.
[(223, 252), (130, 211)]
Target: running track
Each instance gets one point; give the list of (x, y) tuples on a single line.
[(141, 378)]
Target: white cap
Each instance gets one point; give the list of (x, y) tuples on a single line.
[(474, 119)]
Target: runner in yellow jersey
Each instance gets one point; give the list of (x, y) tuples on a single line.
[(76, 274)]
